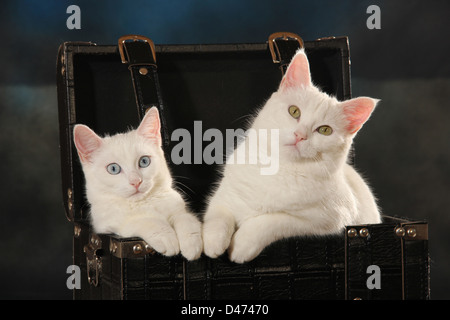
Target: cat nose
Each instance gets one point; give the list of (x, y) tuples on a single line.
[(136, 182), (299, 136)]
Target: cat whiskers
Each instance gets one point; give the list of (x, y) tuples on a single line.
[(247, 117), (179, 183)]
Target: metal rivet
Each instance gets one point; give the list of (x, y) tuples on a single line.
[(364, 232), (69, 193), (137, 248), (112, 247), (77, 231), (412, 232), (93, 240), (149, 249), (70, 204), (143, 71), (400, 232), (352, 233), (63, 70)]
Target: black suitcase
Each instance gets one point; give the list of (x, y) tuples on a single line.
[(109, 88)]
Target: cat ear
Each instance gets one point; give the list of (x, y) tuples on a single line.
[(86, 142), (297, 73), (357, 111), (150, 126)]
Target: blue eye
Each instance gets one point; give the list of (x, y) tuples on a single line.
[(113, 168), (144, 161)]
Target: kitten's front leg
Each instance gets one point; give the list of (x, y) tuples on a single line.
[(189, 231), (258, 232), (218, 228), (247, 242), (158, 234)]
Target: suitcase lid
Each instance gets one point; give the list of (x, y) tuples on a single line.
[(217, 84)]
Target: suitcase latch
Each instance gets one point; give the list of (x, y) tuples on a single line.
[(93, 259)]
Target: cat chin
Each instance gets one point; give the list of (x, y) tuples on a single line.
[(134, 195), (138, 195), (293, 153)]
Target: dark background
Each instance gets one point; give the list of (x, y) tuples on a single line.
[(404, 150)]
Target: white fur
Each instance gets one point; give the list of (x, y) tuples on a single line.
[(157, 213), (315, 191)]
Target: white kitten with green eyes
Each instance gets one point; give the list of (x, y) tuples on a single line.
[(314, 192), (129, 188)]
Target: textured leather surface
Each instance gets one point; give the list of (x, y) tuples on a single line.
[(381, 248), (292, 269), (326, 268)]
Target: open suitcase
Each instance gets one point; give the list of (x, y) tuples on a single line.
[(109, 88)]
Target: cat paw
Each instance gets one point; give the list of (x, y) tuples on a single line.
[(191, 245), (216, 238), (165, 242), (243, 248)]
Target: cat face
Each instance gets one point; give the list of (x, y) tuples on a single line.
[(311, 124), (125, 165)]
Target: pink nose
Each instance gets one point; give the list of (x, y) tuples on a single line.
[(136, 183), (299, 136)]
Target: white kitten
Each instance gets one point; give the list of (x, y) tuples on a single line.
[(314, 192), (129, 187)]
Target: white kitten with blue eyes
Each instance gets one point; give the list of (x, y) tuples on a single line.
[(129, 188), (314, 192)]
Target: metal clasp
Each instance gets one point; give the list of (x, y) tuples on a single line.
[(275, 52), (133, 37), (93, 259)]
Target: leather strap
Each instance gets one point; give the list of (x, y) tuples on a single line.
[(283, 46), (358, 252), (140, 56)]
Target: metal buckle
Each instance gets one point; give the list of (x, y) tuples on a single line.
[(133, 37), (276, 57)]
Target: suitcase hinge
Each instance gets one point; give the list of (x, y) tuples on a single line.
[(129, 249), (93, 259)]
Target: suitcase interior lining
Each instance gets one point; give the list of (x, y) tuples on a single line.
[(222, 89)]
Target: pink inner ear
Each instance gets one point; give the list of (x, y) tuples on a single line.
[(297, 74), (86, 142), (357, 111), (150, 126)]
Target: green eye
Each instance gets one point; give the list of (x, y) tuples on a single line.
[(325, 130), (294, 111)]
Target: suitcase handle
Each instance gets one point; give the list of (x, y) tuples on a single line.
[(283, 46)]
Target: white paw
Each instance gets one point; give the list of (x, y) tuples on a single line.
[(191, 245), (164, 242), (243, 247), (216, 237)]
